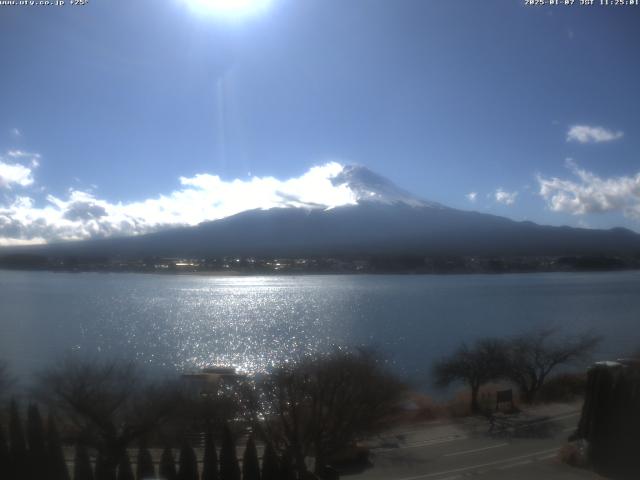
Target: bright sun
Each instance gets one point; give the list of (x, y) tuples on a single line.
[(228, 8)]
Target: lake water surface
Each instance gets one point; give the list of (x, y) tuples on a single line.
[(182, 322)]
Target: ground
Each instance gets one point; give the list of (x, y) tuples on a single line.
[(448, 450)]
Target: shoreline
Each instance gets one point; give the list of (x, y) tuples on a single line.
[(288, 273)]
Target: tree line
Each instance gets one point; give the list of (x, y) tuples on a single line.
[(525, 360), (36, 453), (305, 414)]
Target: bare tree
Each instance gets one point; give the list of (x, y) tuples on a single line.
[(323, 405), (109, 403), (532, 357), (474, 365)]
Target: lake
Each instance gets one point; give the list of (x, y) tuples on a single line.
[(182, 322)]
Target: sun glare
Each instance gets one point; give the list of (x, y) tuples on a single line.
[(228, 8)]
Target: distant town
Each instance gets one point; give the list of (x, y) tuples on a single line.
[(407, 264)]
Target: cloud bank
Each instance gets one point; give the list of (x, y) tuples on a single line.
[(587, 134), (203, 197), (589, 193)]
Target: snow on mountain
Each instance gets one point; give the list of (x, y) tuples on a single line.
[(368, 186), (367, 215)]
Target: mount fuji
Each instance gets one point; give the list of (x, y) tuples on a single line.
[(382, 220)]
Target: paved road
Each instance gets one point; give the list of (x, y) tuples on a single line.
[(449, 451)]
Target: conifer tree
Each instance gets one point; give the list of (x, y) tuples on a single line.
[(102, 470), (99, 472), (145, 468), (37, 453), (287, 471), (82, 464), (229, 468), (17, 445), (250, 465), (4, 454), (270, 467), (168, 465), (210, 461), (56, 464), (188, 463), (125, 472)]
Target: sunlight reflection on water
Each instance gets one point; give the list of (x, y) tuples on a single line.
[(186, 322), (250, 323)]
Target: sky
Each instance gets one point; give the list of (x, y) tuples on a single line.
[(121, 117)]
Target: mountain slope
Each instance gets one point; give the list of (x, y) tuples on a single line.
[(386, 220), (362, 229)]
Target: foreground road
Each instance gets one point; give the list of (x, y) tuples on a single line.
[(449, 451)]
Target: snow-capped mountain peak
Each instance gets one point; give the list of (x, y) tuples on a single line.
[(368, 186)]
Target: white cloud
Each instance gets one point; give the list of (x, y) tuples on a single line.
[(21, 155), (587, 134), (472, 196), (5, 242), (591, 193), (13, 172), (15, 132), (504, 197), (82, 214)]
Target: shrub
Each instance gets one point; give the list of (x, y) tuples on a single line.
[(145, 468), (270, 467), (4, 453), (250, 465), (17, 443), (37, 447), (188, 464), (229, 468), (125, 472), (57, 464), (210, 461), (168, 465), (82, 464), (573, 455), (563, 388)]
